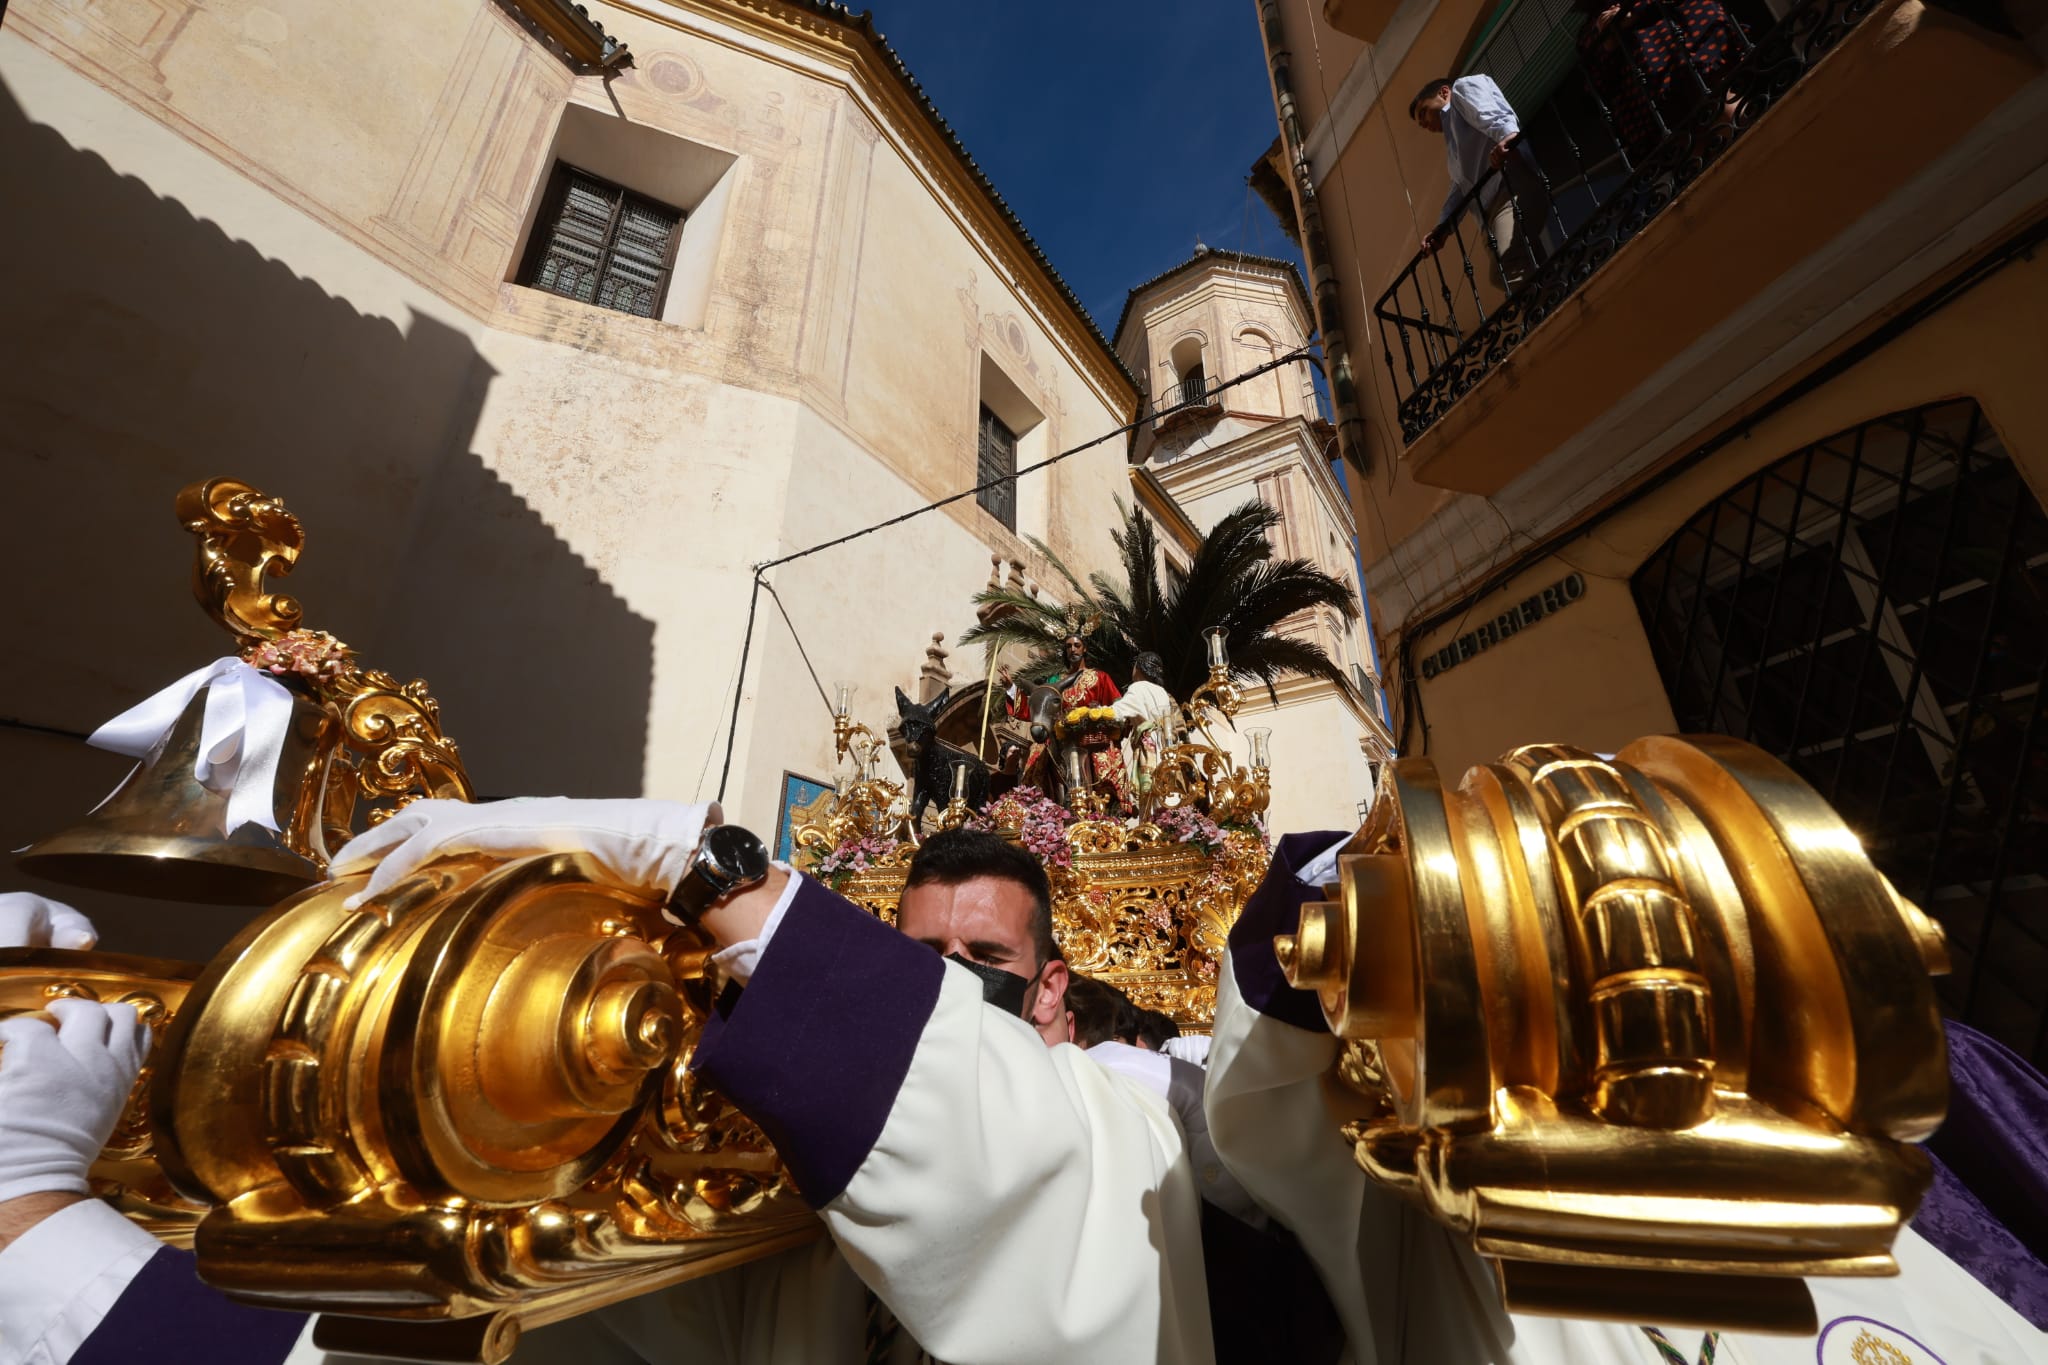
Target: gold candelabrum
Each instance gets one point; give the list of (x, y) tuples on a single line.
[(871, 805), (957, 812), (1651, 1033), (1203, 775)]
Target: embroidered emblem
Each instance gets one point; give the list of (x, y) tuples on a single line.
[(1857, 1340), (1869, 1350)]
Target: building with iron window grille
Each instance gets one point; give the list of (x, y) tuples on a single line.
[(1759, 444), (549, 326)]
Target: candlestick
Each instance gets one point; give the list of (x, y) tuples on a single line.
[(1258, 737)]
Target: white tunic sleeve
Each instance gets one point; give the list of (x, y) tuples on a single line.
[(1010, 1202), (59, 1280)]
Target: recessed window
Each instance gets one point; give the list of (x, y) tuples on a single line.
[(996, 458), (1191, 379), (601, 243)]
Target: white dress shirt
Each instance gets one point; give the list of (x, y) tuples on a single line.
[(1478, 120)]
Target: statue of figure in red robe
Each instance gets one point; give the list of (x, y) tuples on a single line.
[(1101, 755)]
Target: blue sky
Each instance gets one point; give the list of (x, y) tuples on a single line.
[(1118, 132)]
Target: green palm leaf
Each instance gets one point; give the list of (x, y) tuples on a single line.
[(1233, 581)]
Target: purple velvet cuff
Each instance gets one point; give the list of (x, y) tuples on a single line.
[(817, 1045), (167, 1317), (1988, 1210), (1275, 908)]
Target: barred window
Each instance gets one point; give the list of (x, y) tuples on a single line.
[(995, 457), (1871, 609), (602, 244)]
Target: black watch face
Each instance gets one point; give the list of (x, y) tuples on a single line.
[(738, 854)]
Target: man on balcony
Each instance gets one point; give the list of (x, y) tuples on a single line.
[(1485, 151)]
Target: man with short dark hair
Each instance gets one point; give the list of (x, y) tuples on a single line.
[(1484, 148), (1092, 1008), (1155, 1029)]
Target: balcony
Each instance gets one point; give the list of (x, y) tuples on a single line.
[(1656, 189), (1188, 401)]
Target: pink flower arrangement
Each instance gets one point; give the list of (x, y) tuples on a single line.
[(856, 853), (311, 654), (1040, 822), (1185, 825)]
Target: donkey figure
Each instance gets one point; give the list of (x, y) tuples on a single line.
[(1044, 768), (933, 758)]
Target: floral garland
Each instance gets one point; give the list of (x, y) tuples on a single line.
[(855, 853), (310, 654), (1185, 825), (1041, 823)]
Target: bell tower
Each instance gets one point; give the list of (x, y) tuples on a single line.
[(1230, 419)]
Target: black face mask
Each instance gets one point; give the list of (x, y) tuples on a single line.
[(1004, 990)]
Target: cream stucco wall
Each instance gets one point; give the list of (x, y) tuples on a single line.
[(273, 242), (1586, 676)]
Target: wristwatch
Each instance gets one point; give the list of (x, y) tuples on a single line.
[(729, 859)]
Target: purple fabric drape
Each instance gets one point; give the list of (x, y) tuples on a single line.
[(1988, 1208)]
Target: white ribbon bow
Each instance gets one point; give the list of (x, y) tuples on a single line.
[(241, 738)]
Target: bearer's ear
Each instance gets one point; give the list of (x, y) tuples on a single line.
[(1046, 1010)]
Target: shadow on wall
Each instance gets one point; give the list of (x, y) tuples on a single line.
[(145, 349)]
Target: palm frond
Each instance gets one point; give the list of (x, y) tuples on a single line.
[(1233, 581), (1274, 657), (1060, 566)]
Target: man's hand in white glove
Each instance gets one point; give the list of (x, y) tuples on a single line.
[(31, 921), (640, 845), (62, 1090)]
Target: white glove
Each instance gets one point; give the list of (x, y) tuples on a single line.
[(640, 845), (31, 921), (62, 1091)]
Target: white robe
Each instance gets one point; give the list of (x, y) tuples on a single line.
[(1151, 705)]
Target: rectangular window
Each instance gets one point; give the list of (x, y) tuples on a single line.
[(995, 457), (602, 244)]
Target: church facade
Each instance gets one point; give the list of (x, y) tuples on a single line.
[(548, 326)]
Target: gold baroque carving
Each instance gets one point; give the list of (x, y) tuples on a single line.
[(380, 739)]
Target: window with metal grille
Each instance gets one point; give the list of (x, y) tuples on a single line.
[(1873, 610), (995, 457), (602, 244)]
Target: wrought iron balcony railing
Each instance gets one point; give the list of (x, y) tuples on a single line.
[(1189, 396), (1660, 91)]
